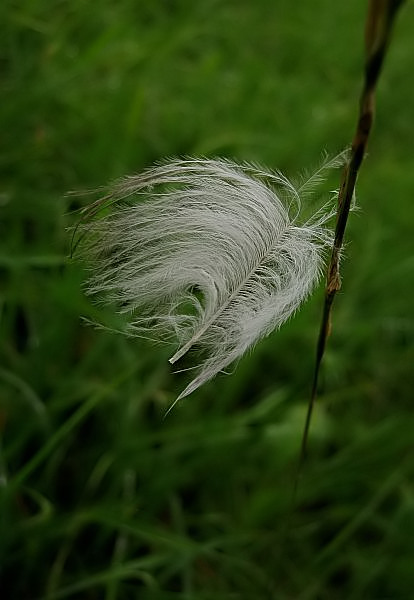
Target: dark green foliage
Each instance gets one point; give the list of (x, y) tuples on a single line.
[(101, 497)]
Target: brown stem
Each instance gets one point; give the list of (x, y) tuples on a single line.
[(380, 18)]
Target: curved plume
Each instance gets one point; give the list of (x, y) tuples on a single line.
[(206, 252)]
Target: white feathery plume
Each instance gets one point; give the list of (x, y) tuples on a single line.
[(207, 252)]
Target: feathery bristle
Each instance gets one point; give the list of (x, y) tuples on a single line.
[(207, 252)]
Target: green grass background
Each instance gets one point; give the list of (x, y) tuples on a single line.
[(101, 498)]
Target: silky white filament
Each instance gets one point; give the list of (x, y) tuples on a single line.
[(208, 253)]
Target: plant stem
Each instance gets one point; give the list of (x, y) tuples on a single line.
[(380, 18)]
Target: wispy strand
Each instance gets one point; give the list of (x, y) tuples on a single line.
[(206, 252)]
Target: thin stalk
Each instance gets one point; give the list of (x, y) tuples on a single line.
[(379, 22)]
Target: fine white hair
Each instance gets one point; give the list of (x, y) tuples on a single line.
[(209, 253)]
